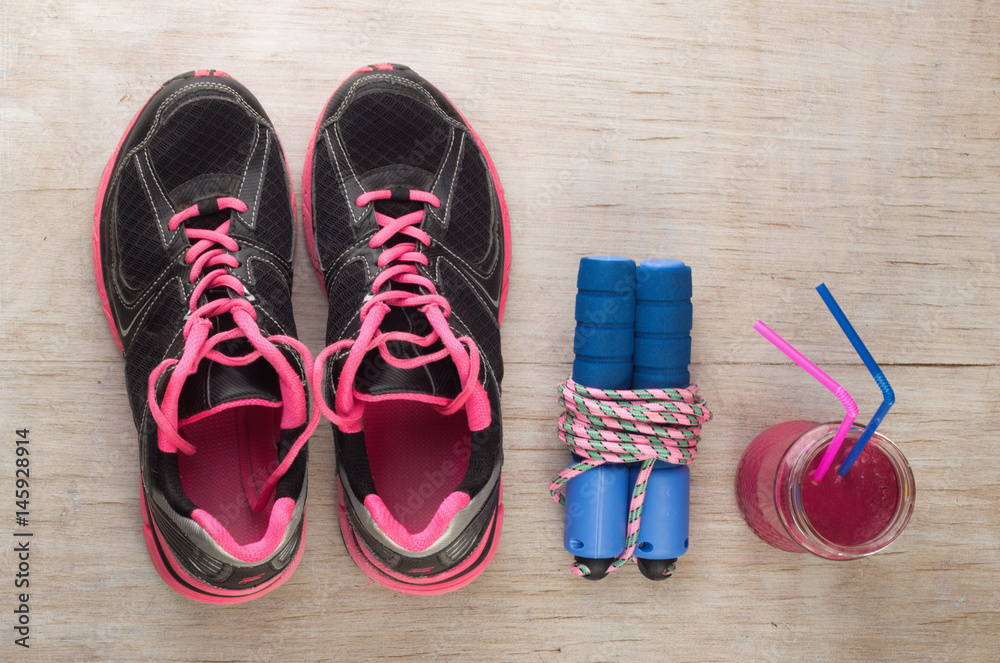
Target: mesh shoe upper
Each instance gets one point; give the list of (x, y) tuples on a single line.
[(193, 247), (420, 487)]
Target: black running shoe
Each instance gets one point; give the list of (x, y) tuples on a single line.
[(406, 223), (194, 233)]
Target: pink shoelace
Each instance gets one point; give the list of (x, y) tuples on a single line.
[(209, 256), (399, 265)]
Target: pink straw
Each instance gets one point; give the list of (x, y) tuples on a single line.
[(825, 380)]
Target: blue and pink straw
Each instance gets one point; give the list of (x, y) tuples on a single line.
[(850, 407), (888, 397)]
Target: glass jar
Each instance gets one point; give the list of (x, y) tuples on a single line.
[(837, 518)]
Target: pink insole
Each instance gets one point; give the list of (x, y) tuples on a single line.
[(235, 454), (418, 457)]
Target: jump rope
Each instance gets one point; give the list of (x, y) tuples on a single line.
[(632, 419)]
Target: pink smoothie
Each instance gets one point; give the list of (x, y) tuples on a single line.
[(838, 518), (855, 509)]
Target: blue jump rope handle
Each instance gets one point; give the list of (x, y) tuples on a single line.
[(662, 352), (597, 500), (633, 330)]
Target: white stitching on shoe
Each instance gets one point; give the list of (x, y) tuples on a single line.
[(440, 259), (336, 164), (454, 180), (366, 80), (184, 90), (149, 304), (149, 197), (156, 181), (252, 225), (253, 282)]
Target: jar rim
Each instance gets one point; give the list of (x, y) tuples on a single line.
[(792, 470)]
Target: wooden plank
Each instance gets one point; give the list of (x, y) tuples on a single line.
[(771, 145)]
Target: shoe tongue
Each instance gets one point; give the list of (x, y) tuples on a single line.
[(397, 177), (377, 377), (209, 221), (216, 384), (203, 187)]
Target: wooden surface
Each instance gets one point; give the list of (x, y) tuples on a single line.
[(771, 145)]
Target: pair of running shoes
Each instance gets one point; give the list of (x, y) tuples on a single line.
[(405, 222)]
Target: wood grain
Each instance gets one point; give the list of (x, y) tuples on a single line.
[(771, 145)]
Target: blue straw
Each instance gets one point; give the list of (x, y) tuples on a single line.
[(888, 397)]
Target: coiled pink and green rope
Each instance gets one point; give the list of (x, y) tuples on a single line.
[(627, 426)]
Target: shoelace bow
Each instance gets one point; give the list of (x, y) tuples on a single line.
[(209, 257), (626, 426), (399, 265)]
